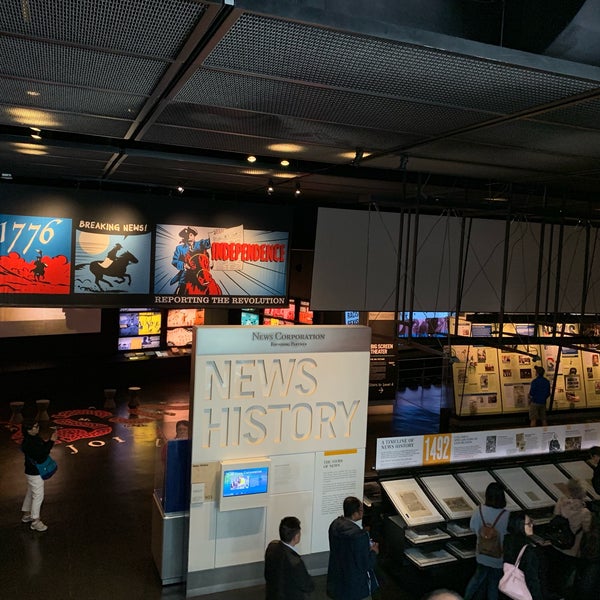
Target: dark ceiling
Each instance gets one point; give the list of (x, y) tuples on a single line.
[(447, 104)]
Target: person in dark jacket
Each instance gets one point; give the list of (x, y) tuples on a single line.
[(285, 572), (352, 555), (533, 561), (36, 450), (594, 461)]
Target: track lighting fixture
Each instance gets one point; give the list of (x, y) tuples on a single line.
[(298, 191), (251, 159), (284, 163), (180, 189), (36, 133), (270, 187), (360, 152)]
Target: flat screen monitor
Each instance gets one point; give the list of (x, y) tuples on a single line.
[(279, 322), (424, 324), (244, 484), (305, 315), (250, 317), (139, 328), (352, 317), (288, 314), (180, 326)]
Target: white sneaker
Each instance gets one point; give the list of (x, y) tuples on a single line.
[(37, 525), (27, 519)]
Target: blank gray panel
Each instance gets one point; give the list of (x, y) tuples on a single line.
[(437, 261), (382, 253), (340, 264), (483, 269), (523, 255)]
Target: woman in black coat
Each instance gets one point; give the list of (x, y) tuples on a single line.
[(533, 561), (36, 451)]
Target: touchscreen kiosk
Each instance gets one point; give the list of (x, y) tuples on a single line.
[(244, 483)]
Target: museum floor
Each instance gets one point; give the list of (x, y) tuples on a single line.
[(98, 506)]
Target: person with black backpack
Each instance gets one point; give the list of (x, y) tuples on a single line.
[(489, 522), (565, 549)]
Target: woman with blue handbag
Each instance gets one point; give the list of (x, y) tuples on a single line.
[(37, 451)]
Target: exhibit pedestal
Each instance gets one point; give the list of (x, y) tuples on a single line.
[(169, 543)]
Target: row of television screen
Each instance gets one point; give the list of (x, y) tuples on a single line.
[(144, 328), (437, 324)]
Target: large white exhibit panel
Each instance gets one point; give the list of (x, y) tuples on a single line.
[(279, 419)]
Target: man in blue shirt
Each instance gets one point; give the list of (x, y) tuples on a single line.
[(539, 392)]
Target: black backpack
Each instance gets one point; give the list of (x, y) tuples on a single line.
[(559, 533)]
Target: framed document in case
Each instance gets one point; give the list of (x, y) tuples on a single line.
[(411, 502), (581, 470), (524, 488), (477, 481), (552, 478), (451, 498)]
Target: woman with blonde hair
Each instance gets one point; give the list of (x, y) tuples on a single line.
[(573, 508)]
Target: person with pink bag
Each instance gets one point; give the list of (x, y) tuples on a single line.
[(533, 560)]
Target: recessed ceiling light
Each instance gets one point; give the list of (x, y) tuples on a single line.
[(251, 159), (36, 129), (285, 163)]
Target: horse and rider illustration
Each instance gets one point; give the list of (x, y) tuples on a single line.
[(114, 266), (39, 267), (192, 260)]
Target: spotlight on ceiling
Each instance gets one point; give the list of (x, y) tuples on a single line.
[(180, 189), (297, 191), (284, 163), (251, 159), (270, 187), (36, 133), (358, 156)]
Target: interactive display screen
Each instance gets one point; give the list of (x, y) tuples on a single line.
[(244, 482), (288, 314)]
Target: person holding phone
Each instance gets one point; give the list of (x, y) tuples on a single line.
[(36, 450)]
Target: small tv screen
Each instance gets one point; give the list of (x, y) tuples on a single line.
[(249, 318), (139, 322), (279, 322), (478, 330), (424, 324), (185, 317), (289, 314), (305, 315), (245, 482), (139, 342), (525, 330), (351, 317)]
